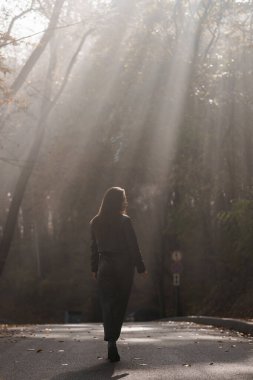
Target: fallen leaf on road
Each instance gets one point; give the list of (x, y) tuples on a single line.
[(39, 350), (211, 363), (99, 358), (187, 365)]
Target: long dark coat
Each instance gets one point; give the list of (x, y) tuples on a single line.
[(114, 255)]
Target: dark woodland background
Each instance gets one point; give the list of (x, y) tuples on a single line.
[(154, 96)]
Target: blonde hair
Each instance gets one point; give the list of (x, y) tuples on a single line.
[(114, 203)]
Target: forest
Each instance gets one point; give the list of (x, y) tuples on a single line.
[(155, 96)]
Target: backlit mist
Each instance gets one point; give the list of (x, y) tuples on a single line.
[(154, 96)]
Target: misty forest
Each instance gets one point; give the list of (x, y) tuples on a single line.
[(155, 96)]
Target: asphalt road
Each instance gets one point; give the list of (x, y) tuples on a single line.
[(157, 350)]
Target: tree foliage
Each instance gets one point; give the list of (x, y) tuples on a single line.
[(154, 96)]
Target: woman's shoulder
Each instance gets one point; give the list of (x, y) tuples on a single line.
[(125, 218)]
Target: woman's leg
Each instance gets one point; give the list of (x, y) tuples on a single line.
[(106, 287), (124, 282), (114, 281)]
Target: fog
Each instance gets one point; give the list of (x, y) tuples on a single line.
[(154, 96)]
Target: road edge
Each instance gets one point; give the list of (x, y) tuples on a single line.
[(227, 323)]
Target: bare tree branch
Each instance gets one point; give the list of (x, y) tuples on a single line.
[(15, 18), (32, 60), (40, 32), (39, 49)]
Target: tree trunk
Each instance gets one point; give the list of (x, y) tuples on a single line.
[(32, 60), (26, 172), (39, 49)]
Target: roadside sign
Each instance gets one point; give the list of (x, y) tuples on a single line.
[(176, 256), (176, 267), (176, 279)]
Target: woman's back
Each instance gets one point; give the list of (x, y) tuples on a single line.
[(110, 234)]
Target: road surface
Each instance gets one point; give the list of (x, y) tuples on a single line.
[(153, 350)]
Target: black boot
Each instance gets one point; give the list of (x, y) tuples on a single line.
[(113, 354)]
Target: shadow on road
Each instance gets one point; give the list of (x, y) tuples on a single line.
[(185, 350), (102, 371)]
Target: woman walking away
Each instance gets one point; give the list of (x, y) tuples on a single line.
[(114, 255)]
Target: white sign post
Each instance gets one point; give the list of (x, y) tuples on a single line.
[(176, 279), (176, 268)]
